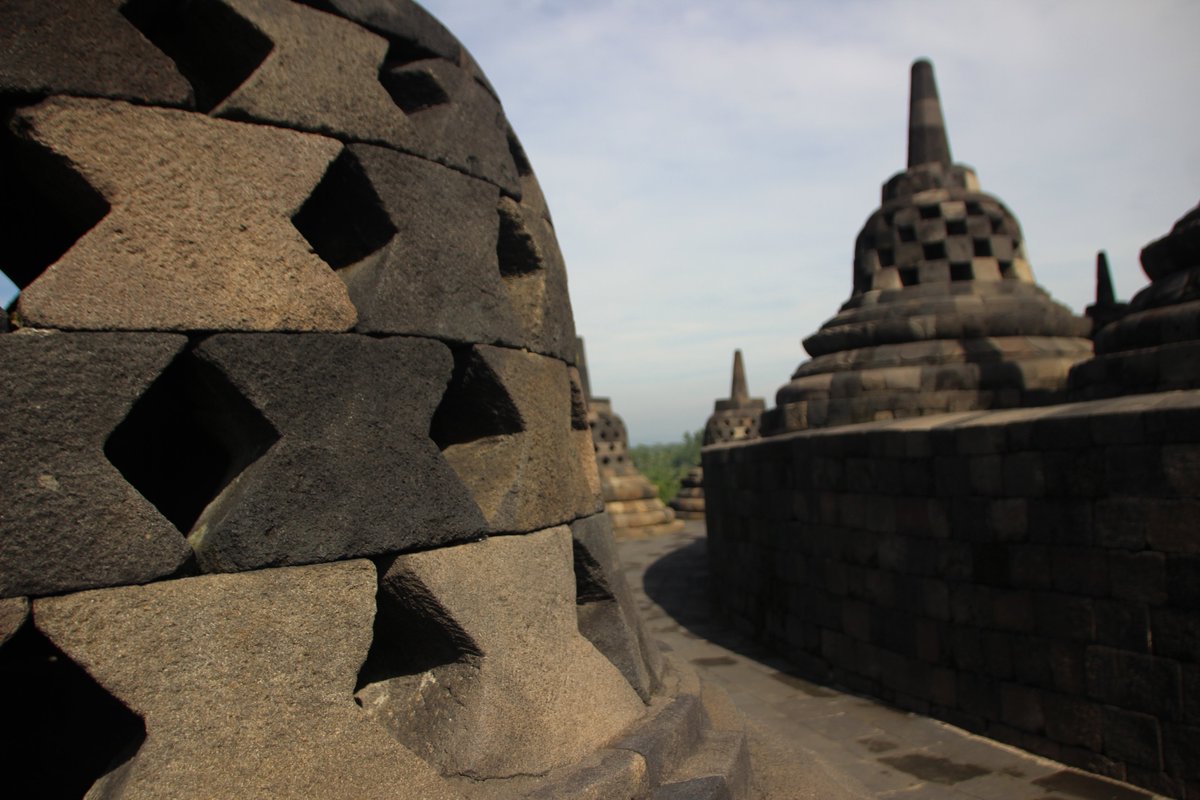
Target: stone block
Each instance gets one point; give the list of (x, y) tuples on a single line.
[(1080, 570), (1021, 707), (1023, 475), (525, 472), (304, 83), (1181, 467), (1176, 634), (83, 47), (440, 241), (1138, 577), (1132, 737), (1029, 566), (1121, 522), (70, 519), (1183, 581), (198, 235), (1123, 625), (353, 414), (251, 683), (1073, 721), (1063, 616), (1171, 528), (523, 691), (1061, 521)]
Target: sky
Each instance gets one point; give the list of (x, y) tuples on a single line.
[(708, 163)]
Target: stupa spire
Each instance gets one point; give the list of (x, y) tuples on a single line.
[(738, 391), (1105, 296), (927, 139)]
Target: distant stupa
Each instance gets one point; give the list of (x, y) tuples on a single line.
[(944, 313), (732, 419)]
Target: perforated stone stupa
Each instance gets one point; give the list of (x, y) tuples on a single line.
[(944, 314), (300, 498), (733, 419), (630, 499)]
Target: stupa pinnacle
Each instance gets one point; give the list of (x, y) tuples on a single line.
[(944, 314)]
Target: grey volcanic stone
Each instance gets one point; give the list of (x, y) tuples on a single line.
[(606, 612), (438, 276), (354, 471), (528, 692), (536, 279), (14, 611), (245, 683), (536, 476), (83, 47), (199, 236), (322, 74), (468, 131), (69, 520)]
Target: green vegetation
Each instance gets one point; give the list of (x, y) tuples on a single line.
[(666, 464)]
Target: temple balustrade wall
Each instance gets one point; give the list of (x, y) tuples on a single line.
[(1032, 575)]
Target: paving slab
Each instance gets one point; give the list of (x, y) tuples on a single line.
[(835, 741)]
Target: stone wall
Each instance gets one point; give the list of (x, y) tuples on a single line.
[(1031, 574)]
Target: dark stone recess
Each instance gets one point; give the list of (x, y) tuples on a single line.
[(353, 414), (70, 520), (214, 47), (45, 206), (83, 47), (62, 730), (476, 404)]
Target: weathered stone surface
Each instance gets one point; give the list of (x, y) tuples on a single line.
[(82, 47), (467, 130), (439, 275), (527, 693), (354, 471), (69, 520), (606, 612), (531, 475), (245, 683), (536, 279), (322, 74), (13, 613), (199, 235)]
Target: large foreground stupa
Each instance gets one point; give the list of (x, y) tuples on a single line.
[(944, 314), (299, 496)]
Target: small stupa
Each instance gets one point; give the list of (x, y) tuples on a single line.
[(1106, 309), (733, 419), (630, 499), (1155, 345), (944, 314)]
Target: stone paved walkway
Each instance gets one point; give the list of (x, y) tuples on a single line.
[(865, 748)]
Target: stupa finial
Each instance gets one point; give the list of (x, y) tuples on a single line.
[(927, 140), (738, 391)]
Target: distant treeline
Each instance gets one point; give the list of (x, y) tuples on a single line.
[(666, 464)]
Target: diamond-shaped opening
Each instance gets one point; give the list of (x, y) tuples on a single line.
[(908, 233), (956, 227), (186, 438), (215, 48), (983, 248), (45, 206), (343, 219), (1006, 270), (998, 225), (413, 88), (961, 272), (516, 250), (591, 584), (62, 731), (887, 257), (974, 208), (934, 250), (475, 406), (930, 212), (909, 276)]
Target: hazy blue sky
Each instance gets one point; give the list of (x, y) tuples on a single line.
[(709, 162)]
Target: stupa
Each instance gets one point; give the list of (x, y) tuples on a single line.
[(944, 314), (299, 495), (630, 498), (1154, 346), (733, 419)]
